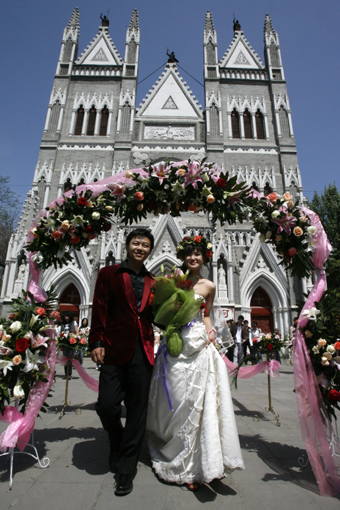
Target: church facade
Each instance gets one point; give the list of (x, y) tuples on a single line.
[(94, 129)]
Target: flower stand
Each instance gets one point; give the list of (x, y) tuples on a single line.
[(67, 403), (270, 408)]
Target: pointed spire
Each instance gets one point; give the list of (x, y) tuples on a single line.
[(134, 22), (74, 20), (209, 23), (268, 27)]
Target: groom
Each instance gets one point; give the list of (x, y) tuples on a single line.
[(121, 340)]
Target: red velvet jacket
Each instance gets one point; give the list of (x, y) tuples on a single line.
[(116, 321)]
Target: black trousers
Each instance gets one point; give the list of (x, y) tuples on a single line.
[(129, 382)]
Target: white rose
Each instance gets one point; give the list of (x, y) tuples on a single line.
[(324, 361), (331, 349), (311, 230), (327, 355), (275, 214), (15, 326), (96, 215), (315, 349), (18, 392)]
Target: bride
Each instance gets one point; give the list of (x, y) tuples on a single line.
[(196, 441)]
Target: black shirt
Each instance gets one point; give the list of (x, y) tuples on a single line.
[(137, 280)]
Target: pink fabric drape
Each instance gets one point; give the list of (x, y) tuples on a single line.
[(89, 381), (272, 368)]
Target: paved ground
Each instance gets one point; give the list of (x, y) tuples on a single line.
[(78, 476)]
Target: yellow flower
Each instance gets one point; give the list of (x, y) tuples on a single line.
[(209, 246)]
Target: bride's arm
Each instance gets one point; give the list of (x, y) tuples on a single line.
[(211, 287)]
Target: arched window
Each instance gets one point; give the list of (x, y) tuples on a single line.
[(235, 124), (41, 192), (131, 56), (210, 53), (214, 130), (67, 50), (126, 115), (104, 122), (259, 120), (267, 189), (79, 120), (67, 185), (54, 118), (274, 56), (283, 116), (248, 131), (110, 260), (92, 121)]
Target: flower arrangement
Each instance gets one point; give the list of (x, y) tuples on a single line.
[(73, 222), (72, 343), (268, 344), (282, 223), (23, 343), (195, 241), (322, 337), (179, 187)]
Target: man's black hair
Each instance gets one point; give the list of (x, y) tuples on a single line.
[(141, 232), (240, 317)]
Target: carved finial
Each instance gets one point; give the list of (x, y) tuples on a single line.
[(209, 23)]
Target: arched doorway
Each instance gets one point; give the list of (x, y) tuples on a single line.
[(70, 301), (261, 310)]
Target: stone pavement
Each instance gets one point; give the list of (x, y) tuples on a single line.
[(78, 476)]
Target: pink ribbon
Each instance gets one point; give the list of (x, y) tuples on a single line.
[(272, 368), (89, 381), (21, 425)]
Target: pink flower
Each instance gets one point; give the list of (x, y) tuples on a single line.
[(83, 341), (38, 341), (160, 171), (286, 222), (193, 175), (117, 189), (73, 340)]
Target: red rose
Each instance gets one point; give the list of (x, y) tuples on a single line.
[(292, 252), (185, 238), (82, 201), (208, 254), (270, 347), (198, 239), (337, 345), (75, 239), (55, 315), (333, 396), (72, 340), (21, 344), (88, 229), (107, 226), (40, 311), (272, 197), (12, 316), (139, 196), (220, 183), (92, 236), (56, 235)]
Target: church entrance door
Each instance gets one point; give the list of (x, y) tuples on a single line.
[(261, 310), (70, 301)]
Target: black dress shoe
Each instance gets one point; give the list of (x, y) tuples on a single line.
[(113, 459), (124, 485)]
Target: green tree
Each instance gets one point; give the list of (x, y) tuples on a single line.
[(327, 207), (9, 213)]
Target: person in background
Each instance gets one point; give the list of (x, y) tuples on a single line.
[(255, 332), (84, 331), (236, 333), (247, 343), (68, 325)]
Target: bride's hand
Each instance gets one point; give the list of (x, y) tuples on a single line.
[(211, 338)]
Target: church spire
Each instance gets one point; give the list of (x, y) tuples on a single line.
[(209, 22), (210, 48), (74, 20), (272, 51), (69, 45), (268, 26), (134, 21), (132, 46)]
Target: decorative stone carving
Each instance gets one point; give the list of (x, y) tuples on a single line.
[(19, 282), (170, 104), (169, 133)]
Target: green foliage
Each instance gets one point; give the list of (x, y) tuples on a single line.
[(9, 208)]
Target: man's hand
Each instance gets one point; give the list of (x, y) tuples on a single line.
[(97, 355)]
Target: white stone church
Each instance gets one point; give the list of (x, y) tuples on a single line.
[(94, 129)]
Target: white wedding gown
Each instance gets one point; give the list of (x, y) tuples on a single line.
[(198, 440)]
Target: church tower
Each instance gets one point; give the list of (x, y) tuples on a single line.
[(94, 129)]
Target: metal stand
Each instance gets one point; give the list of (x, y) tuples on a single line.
[(43, 463), (67, 403), (270, 408)]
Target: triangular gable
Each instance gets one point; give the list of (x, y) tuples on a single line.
[(101, 51), (170, 97), (240, 55)]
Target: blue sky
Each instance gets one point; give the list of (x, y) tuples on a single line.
[(31, 33)]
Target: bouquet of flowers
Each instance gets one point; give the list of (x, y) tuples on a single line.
[(268, 344), (174, 305), (282, 223), (24, 338), (73, 222), (72, 343), (322, 337)]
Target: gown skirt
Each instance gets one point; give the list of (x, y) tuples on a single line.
[(196, 441)]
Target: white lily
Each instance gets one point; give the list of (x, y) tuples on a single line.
[(33, 361), (5, 365), (78, 220), (33, 320), (311, 314)]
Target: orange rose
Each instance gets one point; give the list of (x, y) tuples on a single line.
[(139, 196), (287, 197), (40, 311), (76, 239), (272, 197), (298, 231), (56, 235)]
